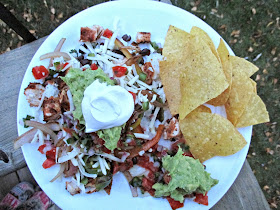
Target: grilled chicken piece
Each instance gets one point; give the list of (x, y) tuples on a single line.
[(33, 93), (91, 34), (172, 129), (51, 108), (63, 99), (148, 69), (71, 171), (72, 188), (60, 83), (142, 37)]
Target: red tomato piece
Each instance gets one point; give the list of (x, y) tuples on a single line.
[(41, 148), (119, 71), (40, 72), (93, 66), (134, 95), (48, 163), (201, 199), (51, 154), (174, 204), (108, 33)]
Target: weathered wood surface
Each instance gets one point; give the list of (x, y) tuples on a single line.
[(245, 193), (12, 68)]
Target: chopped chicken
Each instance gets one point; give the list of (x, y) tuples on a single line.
[(71, 171), (172, 129), (142, 37), (51, 108), (91, 34), (34, 93), (59, 82), (72, 188), (63, 99), (147, 68)]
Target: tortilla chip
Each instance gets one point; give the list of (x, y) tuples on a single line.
[(210, 135), (175, 41), (254, 85), (254, 113), (240, 95), (169, 76), (198, 32), (227, 68), (202, 108), (202, 77), (247, 67)]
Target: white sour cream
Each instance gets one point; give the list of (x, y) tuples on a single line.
[(106, 106)]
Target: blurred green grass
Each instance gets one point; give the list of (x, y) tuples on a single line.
[(250, 27)]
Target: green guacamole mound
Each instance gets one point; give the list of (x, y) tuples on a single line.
[(78, 81), (111, 136), (187, 176)]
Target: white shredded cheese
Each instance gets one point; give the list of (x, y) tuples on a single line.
[(133, 80), (141, 152), (152, 122), (102, 166), (89, 46), (70, 98), (116, 55), (69, 156), (95, 165), (86, 51), (141, 136), (74, 162)]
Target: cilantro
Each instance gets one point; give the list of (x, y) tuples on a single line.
[(28, 117)]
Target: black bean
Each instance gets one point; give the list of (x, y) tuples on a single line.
[(84, 62), (145, 52), (134, 160), (81, 57), (118, 52), (126, 38)]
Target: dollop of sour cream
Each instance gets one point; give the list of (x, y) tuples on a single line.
[(105, 106)]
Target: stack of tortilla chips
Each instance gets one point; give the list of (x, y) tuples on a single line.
[(194, 73)]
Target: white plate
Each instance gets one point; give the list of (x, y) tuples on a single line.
[(154, 17)]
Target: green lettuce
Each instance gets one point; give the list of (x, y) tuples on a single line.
[(187, 176)]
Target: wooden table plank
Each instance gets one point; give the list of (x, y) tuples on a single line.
[(245, 193), (13, 65), (25, 175)]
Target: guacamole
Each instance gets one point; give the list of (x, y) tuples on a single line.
[(187, 176)]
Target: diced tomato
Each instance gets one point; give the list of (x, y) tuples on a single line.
[(147, 184), (61, 66), (51, 154), (108, 33), (48, 163), (93, 66), (144, 162), (133, 95), (188, 153), (201, 199), (174, 204), (119, 71), (40, 72), (41, 148)]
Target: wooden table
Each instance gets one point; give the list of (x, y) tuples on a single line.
[(245, 193)]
